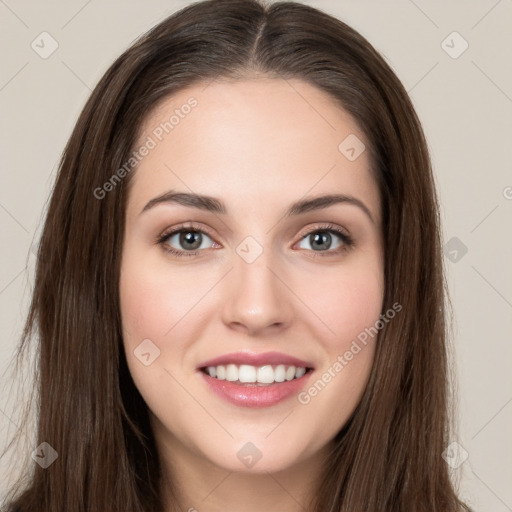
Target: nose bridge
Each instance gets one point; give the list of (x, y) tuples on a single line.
[(256, 297)]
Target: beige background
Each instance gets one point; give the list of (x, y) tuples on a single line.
[(465, 104)]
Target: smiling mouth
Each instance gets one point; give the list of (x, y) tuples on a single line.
[(249, 375)]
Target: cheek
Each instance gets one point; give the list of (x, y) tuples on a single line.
[(153, 304), (167, 309), (346, 301), (144, 310), (153, 313), (349, 304), (359, 307)]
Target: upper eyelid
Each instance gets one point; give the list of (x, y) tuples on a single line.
[(326, 226), (178, 229)]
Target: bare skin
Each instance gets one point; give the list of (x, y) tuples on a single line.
[(258, 145)]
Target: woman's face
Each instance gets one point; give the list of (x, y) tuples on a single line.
[(262, 286)]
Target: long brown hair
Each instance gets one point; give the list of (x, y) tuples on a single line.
[(388, 457)]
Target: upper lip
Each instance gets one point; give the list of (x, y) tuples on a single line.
[(252, 359)]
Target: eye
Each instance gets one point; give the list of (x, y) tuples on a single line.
[(185, 241), (320, 240)]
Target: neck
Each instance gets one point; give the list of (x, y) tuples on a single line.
[(191, 483)]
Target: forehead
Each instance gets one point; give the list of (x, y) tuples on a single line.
[(268, 136)]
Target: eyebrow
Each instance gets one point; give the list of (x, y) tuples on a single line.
[(212, 204)]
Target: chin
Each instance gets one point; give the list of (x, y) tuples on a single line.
[(259, 456)]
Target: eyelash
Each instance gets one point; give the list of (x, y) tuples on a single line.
[(348, 241)]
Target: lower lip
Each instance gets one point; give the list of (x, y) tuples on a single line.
[(252, 395)]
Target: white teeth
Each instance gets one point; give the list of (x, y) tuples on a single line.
[(279, 373), (299, 372), (231, 372), (265, 375), (251, 374), (290, 372), (221, 372), (246, 373)]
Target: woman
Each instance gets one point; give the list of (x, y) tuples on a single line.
[(196, 350)]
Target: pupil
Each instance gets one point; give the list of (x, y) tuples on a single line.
[(188, 238), (193, 239), (319, 238)]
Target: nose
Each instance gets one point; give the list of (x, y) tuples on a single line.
[(257, 300)]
